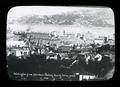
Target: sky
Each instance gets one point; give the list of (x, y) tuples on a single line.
[(19, 11)]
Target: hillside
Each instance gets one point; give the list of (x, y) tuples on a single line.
[(100, 18)]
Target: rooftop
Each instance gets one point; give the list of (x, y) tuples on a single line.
[(38, 35)]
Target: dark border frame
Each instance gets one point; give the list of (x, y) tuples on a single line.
[(6, 6)]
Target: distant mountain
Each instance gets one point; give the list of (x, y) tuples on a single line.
[(86, 18)]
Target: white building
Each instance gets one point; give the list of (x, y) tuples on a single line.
[(20, 52), (86, 77), (88, 36), (11, 43)]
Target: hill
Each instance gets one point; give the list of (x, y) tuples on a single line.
[(100, 18)]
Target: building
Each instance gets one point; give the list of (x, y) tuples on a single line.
[(88, 36), (64, 48), (86, 77), (16, 43), (111, 42), (111, 39), (34, 35), (79, 35), (70, 35), (18, 52), (104, 38), (71, 40), (99, 41), (54, 33), (89, 41), (40, 38)]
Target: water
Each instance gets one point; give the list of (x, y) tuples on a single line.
[(96, 31)]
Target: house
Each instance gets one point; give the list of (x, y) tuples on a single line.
[(16, 43), (51, 55), (20, 52)]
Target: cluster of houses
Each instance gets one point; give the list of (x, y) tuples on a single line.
[(52, 45), (34, 40)]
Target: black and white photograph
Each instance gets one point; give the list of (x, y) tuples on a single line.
[(60, 43)]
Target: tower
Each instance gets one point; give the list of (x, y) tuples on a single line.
[(63, 32)]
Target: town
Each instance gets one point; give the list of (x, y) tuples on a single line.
[(80, 54)]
